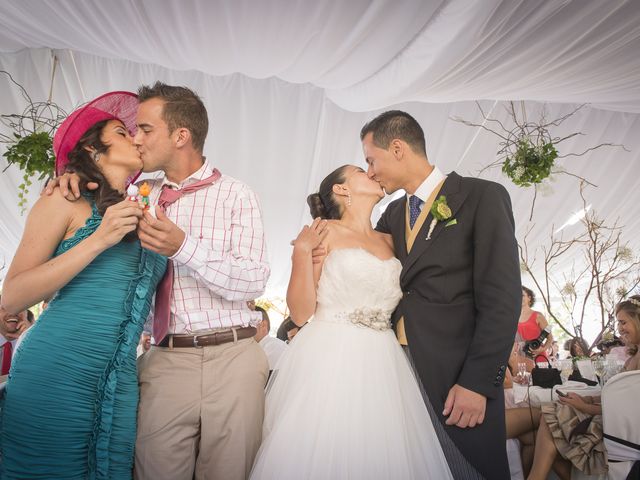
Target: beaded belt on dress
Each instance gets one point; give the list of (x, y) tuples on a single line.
[(374, 318)]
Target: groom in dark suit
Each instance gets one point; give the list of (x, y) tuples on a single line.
[(461, 282)]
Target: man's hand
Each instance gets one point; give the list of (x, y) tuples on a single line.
[(464, 407), (160, 234), (69, 184)]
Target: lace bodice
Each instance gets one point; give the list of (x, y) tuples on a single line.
[(358, 287)]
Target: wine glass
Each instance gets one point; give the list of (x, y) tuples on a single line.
[(613, 367), (566, 369), (522, 372), (599, 366)]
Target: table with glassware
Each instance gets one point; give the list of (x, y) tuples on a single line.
[(596, 369), (536, 396)]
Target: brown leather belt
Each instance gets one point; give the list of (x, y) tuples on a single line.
[(208, 339)]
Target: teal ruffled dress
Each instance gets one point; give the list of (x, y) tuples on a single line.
[(70, 404)]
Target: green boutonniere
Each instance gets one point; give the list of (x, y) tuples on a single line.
[(440, 212)]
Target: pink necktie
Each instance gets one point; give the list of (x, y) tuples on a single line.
[(162, 307), (6, 358)]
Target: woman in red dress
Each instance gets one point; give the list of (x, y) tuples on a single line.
[(531, 324)]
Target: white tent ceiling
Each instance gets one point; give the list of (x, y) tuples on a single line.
[(288, 84)]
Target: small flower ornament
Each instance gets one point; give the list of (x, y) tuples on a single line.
[(375, 318), (441, 212)]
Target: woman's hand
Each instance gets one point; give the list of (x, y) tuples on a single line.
[(574, 400), (118, 220), (580, 403), (311, 236)]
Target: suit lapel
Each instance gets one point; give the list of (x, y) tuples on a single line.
[(451, 190), (397, 228)]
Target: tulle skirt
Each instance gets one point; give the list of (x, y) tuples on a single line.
[(343, 403)]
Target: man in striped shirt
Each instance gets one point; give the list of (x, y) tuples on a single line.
[(201, 388)]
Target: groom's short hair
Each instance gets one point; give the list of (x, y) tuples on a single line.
[(183, 109), (396, 124)]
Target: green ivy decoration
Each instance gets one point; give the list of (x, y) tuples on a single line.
[(33, 154), (527, 150), (530, 164), (30, 141)]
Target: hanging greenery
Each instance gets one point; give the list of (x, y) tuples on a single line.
[(530, 164), (30, 139), (528, 152)]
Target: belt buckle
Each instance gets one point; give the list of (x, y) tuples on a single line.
[(195, 342)]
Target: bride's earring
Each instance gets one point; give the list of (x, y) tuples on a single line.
[(348, 199)]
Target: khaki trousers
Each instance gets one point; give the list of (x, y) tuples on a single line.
[(201, 411)]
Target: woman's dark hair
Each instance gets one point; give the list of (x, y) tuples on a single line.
[(323, 204), (532, 296), (83, 165), (572, 345)]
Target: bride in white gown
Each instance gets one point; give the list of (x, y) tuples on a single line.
[(344, 402)]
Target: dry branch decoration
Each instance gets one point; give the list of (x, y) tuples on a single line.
[(606, 272), (31, 139), (528, 151)]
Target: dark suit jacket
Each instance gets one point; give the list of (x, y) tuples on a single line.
[(461, 303)]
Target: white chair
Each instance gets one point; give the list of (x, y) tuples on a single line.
[(621, 423)]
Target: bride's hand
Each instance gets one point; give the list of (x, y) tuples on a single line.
[(311, 236)]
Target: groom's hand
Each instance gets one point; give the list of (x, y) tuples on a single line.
[(160, 234), (464, 407)]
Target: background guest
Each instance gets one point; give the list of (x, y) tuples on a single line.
[(12, 327), (145, 343), (577, 347), (557, 439), (287, 330), (531, 324), (273, 347)]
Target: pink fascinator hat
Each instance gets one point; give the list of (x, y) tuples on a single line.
[(121, 106)]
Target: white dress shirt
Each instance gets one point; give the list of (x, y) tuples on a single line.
[(429, 185), (222, 262)]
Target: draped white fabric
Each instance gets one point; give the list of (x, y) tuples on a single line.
[(288, 85)]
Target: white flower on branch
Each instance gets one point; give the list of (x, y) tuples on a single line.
[(625, 254)]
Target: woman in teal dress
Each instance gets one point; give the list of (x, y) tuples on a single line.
[(70, 403)]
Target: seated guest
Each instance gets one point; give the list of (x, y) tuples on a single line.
[(577, 347), (612, 347), (273, 347), (532, 326), (12, 327), (287, 330), (570, 431), (145, 343)]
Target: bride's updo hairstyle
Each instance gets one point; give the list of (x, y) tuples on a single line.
[(324, 204)]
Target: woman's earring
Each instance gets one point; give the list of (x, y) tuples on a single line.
[(96, 157), (348, 199)]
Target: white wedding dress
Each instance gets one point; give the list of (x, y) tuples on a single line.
[(344, 402)]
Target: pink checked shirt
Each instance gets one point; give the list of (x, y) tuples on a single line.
[(222, 262)]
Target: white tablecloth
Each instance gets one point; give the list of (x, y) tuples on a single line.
[(539, 395)]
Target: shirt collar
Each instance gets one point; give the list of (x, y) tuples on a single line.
[(203, 172), (429, 185)]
